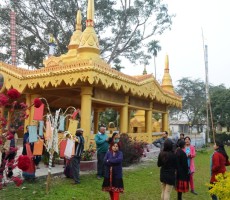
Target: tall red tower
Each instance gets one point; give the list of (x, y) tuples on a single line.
[(13, 34)]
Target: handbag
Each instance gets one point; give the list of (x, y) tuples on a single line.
[(62, 148), (70, 147), (38, 148)]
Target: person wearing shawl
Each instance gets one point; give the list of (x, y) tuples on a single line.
[(219, 161), (168, 164), (75, 160), (113, 182), (191, 154), (115, 139), (182, 174)]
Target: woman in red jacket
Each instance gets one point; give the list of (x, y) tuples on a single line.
[(219, 161)]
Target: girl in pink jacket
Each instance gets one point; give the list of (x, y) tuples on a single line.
[(191, 154)]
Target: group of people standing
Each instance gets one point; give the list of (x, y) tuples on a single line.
[(109, 163), (177, 165)]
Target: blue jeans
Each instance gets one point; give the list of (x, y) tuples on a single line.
[(100, 164)]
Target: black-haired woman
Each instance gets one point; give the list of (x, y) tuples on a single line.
[(219, 161), (167, 162), (182, 175)]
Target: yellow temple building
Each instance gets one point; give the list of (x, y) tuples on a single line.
[(81, 78)]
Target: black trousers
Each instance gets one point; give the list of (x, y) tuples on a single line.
[(100, 164), (75, 166)]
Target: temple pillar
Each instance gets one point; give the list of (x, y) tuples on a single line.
[(96, 120), (148, 123), (124, 117), (28, 103), (165, 122), (86, 106), (129, 118)]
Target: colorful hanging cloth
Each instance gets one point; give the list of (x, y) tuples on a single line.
[(41, 126), (48, 130), (38, 148), (33, 137), (61, 123), (38, 112), (72, 126)]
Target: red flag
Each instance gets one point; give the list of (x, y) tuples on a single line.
[(75, 114), (38, 112)]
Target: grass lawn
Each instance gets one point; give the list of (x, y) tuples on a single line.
[(141, 182)]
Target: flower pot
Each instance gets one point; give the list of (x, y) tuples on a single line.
[(88, 165)]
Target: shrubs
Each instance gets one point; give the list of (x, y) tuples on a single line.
[(221, 187), (132, 150), (88, 154), (223, 137)]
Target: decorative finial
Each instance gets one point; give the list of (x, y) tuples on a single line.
[(52, 45), (89, 40), (145, 71), (167, 80), (78, 21), (166, 62), (90, 13)]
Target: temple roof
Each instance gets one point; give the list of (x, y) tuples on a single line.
[(90, 72)]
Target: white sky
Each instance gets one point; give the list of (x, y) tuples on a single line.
[(184, 45)]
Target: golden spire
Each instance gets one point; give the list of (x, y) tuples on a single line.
[(167, 80), (89, 45), (78, 21), (74, 40), (90, 10)]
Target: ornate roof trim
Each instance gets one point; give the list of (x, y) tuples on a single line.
[(94, 72)]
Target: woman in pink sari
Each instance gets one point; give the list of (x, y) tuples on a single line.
[(191, 154)]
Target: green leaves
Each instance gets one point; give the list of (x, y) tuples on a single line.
[(124, 27)]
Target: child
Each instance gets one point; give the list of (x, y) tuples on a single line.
[(113, 182)]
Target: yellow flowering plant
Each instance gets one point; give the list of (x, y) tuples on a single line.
[(221, 187)]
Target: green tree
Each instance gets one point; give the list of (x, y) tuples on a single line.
[(193, 100), (154, 48), (109, 115), (220, 103), (124, 27)]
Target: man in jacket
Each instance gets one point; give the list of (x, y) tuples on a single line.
[(102, 144), (75, 162), (160, 142)]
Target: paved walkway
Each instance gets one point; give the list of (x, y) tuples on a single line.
[(43, 171), (58, 169)]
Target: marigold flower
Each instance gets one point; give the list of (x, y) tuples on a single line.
[(3, 100), (10, 136), (37, 102), (23, 162), (13, 93), (17, 181)]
